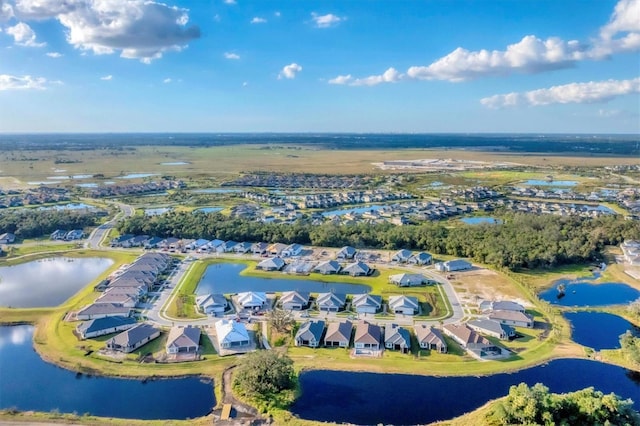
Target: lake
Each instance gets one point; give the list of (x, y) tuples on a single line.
[(480, 219), (137, 175), (370, 398), (48, 282), (598, 330), (215, 191), (208, 209), (29, 383), (360, 210), (157, 211), (580, 293), (225, 278), (538, 182)]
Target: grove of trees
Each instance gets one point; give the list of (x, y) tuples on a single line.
[(263, 375), (31, 223)]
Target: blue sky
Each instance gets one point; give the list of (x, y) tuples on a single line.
[(535, 66)]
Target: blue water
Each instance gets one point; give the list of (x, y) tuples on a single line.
[(29, 383), (174, 163), (225, 278), (156, 212), (369, 398), (215, 191), (580, 293), (87, 185), (137, 175), (479, 220), (208, 209), (352, 210), (70, 206), (598, 330), (537, 182)]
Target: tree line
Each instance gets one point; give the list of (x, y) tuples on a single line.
[(32, 223), (522, 241)]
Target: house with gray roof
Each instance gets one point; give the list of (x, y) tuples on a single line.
[(212, 304), (101, 326), (500, 305), (271, 264), (121, 299), (453, 265), (420, 258), (366, 303), (294, 300), (328, 268), (259, 248), (470, 340), (404, 305), (401, 256), (276, 249), (397, 338), (346, 252), (357, 269), (492, 328), (330, 302), (430, 338), (512, 318), (242, 248), (102, 310), (310, 333), (183, 340), (368, 336), (292, 250), (338, 334), (7, 238), (252, 299), (133, 338), (231, 334), (408, 280)]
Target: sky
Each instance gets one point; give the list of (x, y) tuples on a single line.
[(405, 66)]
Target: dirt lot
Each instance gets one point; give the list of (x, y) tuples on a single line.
[(479, 284)]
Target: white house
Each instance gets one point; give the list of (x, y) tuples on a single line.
[(294, 300), (211, 304), (330, 302), (401, 256), (453, 265), (408, 280), (406, 305), (346, 252), (272, 264), (366, 303), (292, 250), (252, 299), (231, 334), (420, 258), (512, 318)]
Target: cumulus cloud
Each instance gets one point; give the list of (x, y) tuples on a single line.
[(12, 82), (622, 32), (167, 80), (575, 93), (23, 35), (258, 20), (231, 55), (6, 11), (230, 2), (54, 55), (290, 71), (138, 29), (391, 75), (325, 21), (107, 78)]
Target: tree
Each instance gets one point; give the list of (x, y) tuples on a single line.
[(281, 320), (263, 374), (630, 345)]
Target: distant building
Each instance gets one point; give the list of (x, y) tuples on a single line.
[(453, 265)]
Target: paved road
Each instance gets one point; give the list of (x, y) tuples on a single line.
[(101, 231)]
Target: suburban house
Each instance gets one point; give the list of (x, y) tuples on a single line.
[(294, 300), (252, 299), (74, 234), (366, 303), (271, 264), (430, 338), (121, 241), (126, 300), (500, 305), (152, 243), (368, 336), (102, 326), (276, 249), (183, 340), (631, 251), (7, 238), (133, 338), (212, 304), (231, 334), (453, 265), (310, 334), (492, 328), (357, 269), (330, 302), (226, 247), (346, 252), (401, 256), (338, 334), (420, 258), (408, 280), (259, 248), (328, 268), (242, 248), (512, 318), (102, 310), (397, 338), (466, 337), (292, 250), (405, 305)]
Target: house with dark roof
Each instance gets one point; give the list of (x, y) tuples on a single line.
[(183, 340), (512, 318), (330, 302), (259, 248), (310, 334), (328, 268), (366, 303), (491, 328), (430, 338), (101, 326), (404, 305), (368, 336), (211, 304), (346, 252), (7, 238), (119, 299), (401, 256), (133, 338), (102, 310), (338, 334), (408, 280), (357, 269), (271, 264), (242, 248), (397, 338), (294, 300), (420, 258)]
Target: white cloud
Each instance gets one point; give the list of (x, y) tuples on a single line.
[(622, 32), (326, 21), (231, 55), (23, 35), (577, 93), (391, 75), (107, 78), (230, 2), (54, 54), (290, 71), (167, 80), (258, 20), (341, 79), (12, 82), (6, 11), (138, 29), (245, 83), (277, 14)]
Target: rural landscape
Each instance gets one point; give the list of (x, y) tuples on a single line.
[(266, 282)]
